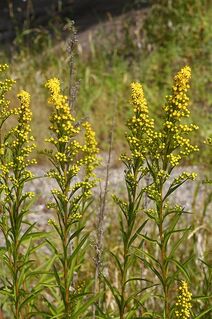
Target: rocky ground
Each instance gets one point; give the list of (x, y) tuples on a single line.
[(184, 196)]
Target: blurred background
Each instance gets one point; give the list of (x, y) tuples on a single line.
[(110, 44)]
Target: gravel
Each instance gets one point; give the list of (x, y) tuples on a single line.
[(42, 186)]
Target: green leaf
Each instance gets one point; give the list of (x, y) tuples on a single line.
[(131, 314), (27, 235), (136, 279), (51, 307), (203, 313), (172, 189), (52, 246), (206, 264), (137, 232), (202, 297), (77, 249), (59, 283), (153, 241), (114, 291), (2, 251), (181, 268), (178, 242), (60, 315), (30, 298), (84, 307), (58, 230), (75, 234), (148, 255), (150, 266), (172, 224), (117, 262)]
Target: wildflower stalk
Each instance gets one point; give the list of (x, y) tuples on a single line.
[(154, 153), (71, 54), (165, 150), (130, 228), (134, 198), (69, 157), (129, 232), (100, 226), (16, 146)]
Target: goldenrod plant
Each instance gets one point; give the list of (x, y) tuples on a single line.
[(16, 144), (148, 262), (73, 164), (154, 153), (168, 147), (126, 298)]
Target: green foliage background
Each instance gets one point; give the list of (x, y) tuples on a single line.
[(148, 46)]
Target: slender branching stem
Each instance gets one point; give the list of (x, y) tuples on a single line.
[(163, 255)]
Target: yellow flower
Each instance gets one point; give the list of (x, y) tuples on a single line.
[(62, 121), (141, 125), (70, 154), (176, 109), (23, 130), (177, 103), (5, 86), (3, 67), (183, 304), (138, 99), (20, 144), (90, 150)]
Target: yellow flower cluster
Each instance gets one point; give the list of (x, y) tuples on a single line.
[(70, 154), (172, 142), (51, 205), (141, 125), (59, 194), (138, 99), (183, 304), (64, 131), (61, 157), (86, 186), (90, 151), (208, 141), (22, 143), (5, 86), (3, 67), (62, 120), (15, 147), (20, 140), (176, 109), (174, 159), (152, 192), (25, 115), (75, 217), (185, 176), (177, 103), (52, 222)]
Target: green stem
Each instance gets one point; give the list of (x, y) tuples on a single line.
[(15, 252), (65, 264), (130, 224), (163, 256), (65, 253), (123, 280)]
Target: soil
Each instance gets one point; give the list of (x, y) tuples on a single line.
[(24, 15)]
